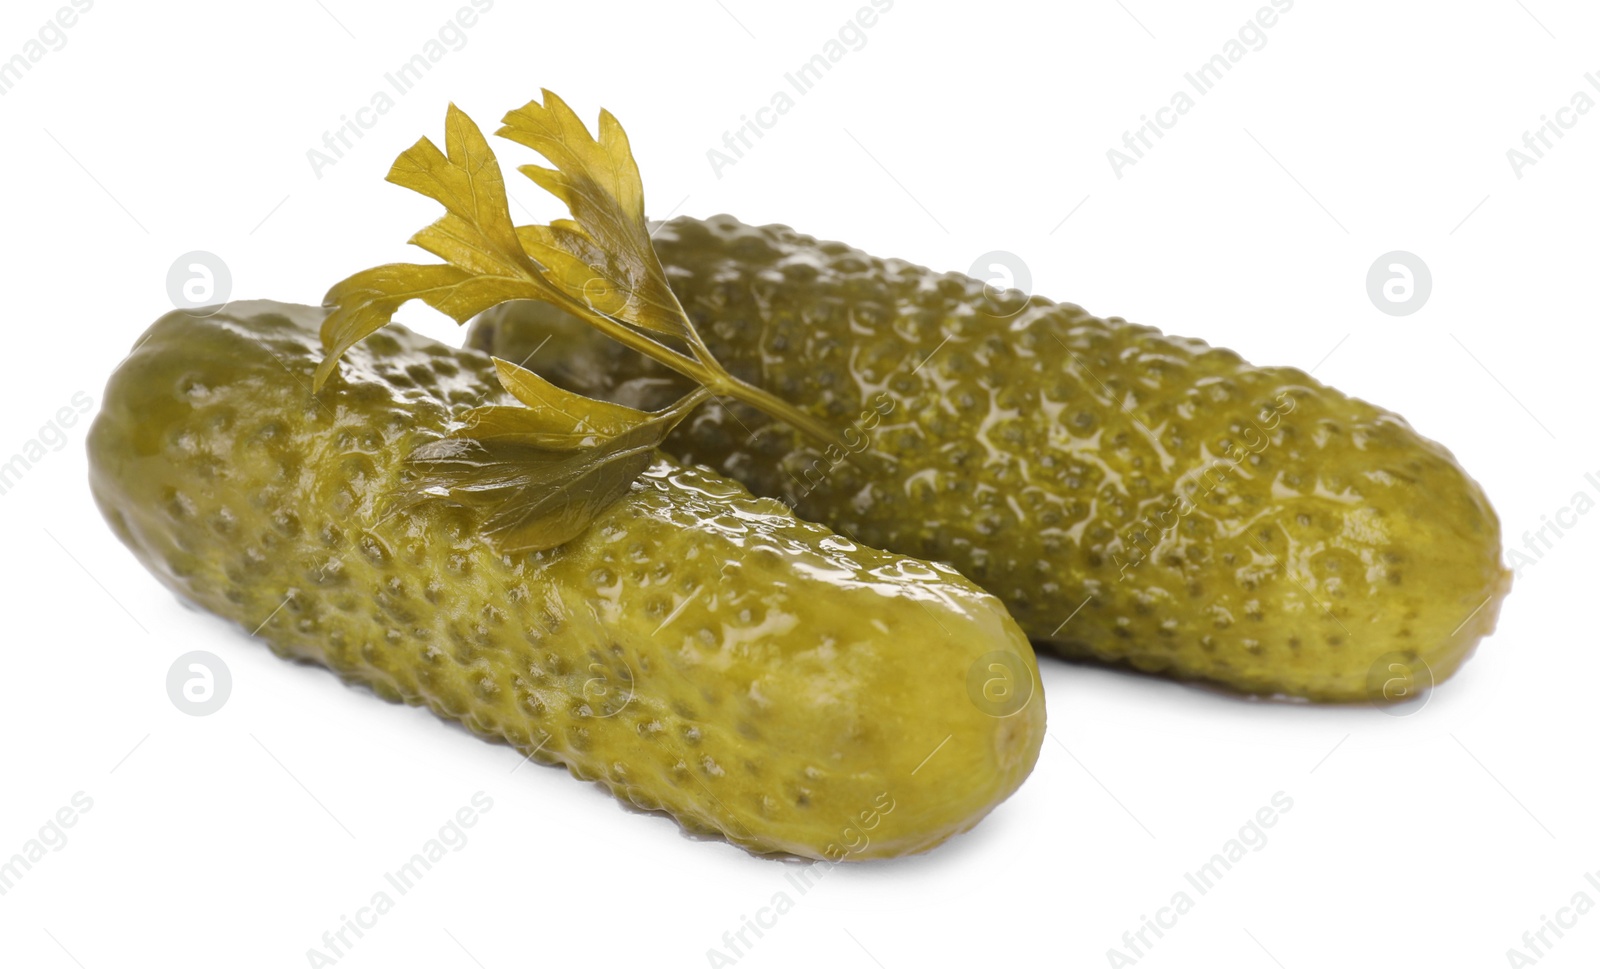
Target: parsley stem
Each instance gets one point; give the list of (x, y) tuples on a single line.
[(709, 375)]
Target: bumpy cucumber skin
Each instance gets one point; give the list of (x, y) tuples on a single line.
[(1044, 453), (697, 651)]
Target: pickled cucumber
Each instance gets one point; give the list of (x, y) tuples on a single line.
[(696, 651), (1132, 497)]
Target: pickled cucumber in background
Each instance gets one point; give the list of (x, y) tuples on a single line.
[(1132, 497)]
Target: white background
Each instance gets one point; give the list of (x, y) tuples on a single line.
[(1433, 839)]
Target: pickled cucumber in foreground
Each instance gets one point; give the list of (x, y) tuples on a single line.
[(695, 650), (1132, 497)]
